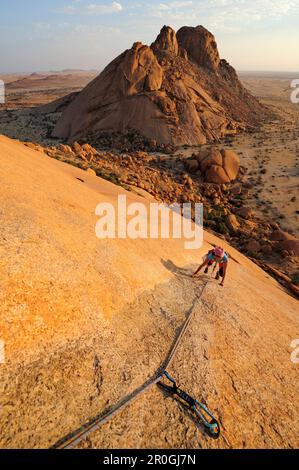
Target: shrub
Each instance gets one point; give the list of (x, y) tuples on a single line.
[(254, 254), (222, 228), (295, 278)]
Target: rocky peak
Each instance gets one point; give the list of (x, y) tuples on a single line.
[(200, 45), (139, 70), (137, 45), (166, 41), (169, 93)]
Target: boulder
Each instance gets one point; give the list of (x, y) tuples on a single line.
[(91, 172), (253, 246), (216, 201), (274, 225), (76, 147), (89, 149), (236, 190), (218, 166), (245, 212), (280, 235), (33, 146), (216, 174), (266, 249), (208, 159), (65, 149), (200, 46), (82, 155), (249, 225), (231, 163), (166, 41), (232, 223), (285, 242), (192, 166), (290, 246)]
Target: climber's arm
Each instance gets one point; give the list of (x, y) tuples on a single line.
[(205, 263)]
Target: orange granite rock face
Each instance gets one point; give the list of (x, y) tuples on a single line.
[(86, 321)]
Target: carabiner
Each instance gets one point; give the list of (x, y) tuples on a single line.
[(213, 426)]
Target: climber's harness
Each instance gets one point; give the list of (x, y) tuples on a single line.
[(199, 409)]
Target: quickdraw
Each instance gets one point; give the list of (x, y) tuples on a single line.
[(210, 423)]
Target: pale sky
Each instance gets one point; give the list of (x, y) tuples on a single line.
[(40, 35)]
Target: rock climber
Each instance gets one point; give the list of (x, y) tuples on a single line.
[(220, 258)]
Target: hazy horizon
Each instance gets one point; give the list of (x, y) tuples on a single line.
[(254, 36), (286, 73)]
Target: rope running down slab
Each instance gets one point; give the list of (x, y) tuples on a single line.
[(72, 439)]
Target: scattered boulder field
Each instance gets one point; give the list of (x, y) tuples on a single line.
[(213, 177)]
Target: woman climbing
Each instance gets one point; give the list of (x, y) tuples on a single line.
[(220, 258)]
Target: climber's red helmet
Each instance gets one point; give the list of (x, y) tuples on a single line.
[(219, 252)]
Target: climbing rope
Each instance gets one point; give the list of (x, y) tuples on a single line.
[(72, 439)]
